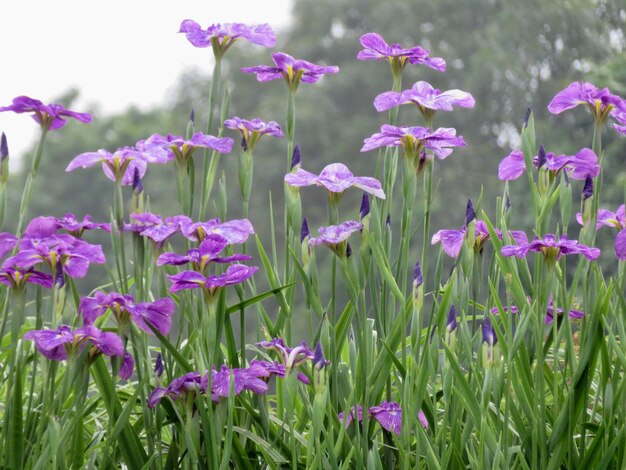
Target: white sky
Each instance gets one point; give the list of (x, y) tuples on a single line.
[(117, 53)]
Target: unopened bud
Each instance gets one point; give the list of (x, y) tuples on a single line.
[(295, 157), (470, 215), (365, 206)]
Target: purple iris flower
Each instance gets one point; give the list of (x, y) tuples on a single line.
[(192, 382), (234, 231), (8, 241), (599, 101), (426, 98), (551, 248), (452, 240), (207, 252), (154, 227), (489, 333), (336, 178), (222, 36), (16, 277), (49, 116), (291, 357), (120, 164), (335, 236), (245, 379), (415, 139), (76, 228), (615, 219), (620, 117), (293, 71), (376, 48), (72, 254), (181, 149), (573, 314), (252, 131), (55, 344), (356, 412), (157, 313), (578, 167), (235, 274), (389, 415)]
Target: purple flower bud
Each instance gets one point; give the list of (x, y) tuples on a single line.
[(365, 206), (526, 118), (348, 250), (542, 157), (4, 148), (59, 277), (295, 157), (388, 221), (418, 278), (158, 364), (192, 115), (451, 320), (304, 231), (319, 361), (588, 188), (508, 202), (244, 145), (489, 334), (469, 212), (566, 178), (137, 185)]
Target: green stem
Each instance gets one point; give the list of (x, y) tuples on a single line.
[(26, 194)]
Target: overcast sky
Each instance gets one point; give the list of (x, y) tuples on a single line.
[(117, 53)]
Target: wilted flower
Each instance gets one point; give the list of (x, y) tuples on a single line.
[(578, 167), (427, 99), (235, 274), (375, 48), (222, 36), (293, 71), (157, 313), (335, 178), (551, 248), (49, 116)]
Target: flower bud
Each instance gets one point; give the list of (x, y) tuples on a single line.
[(295, 157)]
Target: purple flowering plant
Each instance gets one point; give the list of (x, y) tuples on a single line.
[(405, 358)]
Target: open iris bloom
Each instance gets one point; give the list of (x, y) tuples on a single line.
[(192, 382), (157, 313), (580, 166), (252, 130), (59, 344), (49, 116), (335, 236), (617, 220), (376, 48), (207, 252), (293, 71), (290, 357), (181, 149), (234, 274), (600, 102), (452, 240), (233, 231), (221, 36), (388, 415), (427, 99), (551, 248), (573, 314), (335, 178), (121, 164), (155, 228)]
